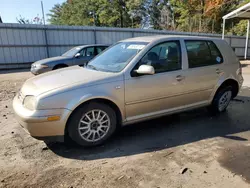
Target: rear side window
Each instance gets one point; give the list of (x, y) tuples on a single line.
[(202, 53)]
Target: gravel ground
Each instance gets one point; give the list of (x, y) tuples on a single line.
[(185, 150)]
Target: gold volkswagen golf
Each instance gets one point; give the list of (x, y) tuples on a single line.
[(134, 80)]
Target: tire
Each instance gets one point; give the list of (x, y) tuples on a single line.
[(221, 100), (89, 126)]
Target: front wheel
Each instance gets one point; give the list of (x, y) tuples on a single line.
[(221, 100), (92, 124)]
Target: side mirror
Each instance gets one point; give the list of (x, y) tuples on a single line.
[(77, 55), (145, 70)]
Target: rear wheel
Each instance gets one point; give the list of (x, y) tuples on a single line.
[(221, 100), (92, 124)]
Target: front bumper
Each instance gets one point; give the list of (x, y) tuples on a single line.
[(36, 123)]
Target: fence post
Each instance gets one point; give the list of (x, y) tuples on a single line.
[(133, 34), (246, 47), (46, 41), (45, 32), (94, 30)]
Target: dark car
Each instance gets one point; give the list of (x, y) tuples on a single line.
[(79, 55)]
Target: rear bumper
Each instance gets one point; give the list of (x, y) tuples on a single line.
[(240, 81), (36, 123)]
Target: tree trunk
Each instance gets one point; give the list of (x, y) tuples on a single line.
[(202, 14), (121, 17)]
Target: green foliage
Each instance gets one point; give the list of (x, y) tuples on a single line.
[(56, 13), (116, 13), (180, 15), (201, 15), (240, 28)]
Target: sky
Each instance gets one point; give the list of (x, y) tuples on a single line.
[(11, 9)]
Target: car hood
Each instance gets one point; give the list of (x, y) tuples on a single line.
[(52, 59), (65, 78)]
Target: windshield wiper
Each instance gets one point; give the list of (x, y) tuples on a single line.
[(92, 67)]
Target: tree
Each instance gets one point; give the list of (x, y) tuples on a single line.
[(201, 15), (240, 27), (115, 13), (35, 20), (154, 13), (215, 10), (180, 15), (55, 14)]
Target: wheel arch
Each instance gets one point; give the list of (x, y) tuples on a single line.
[(229, 82), (59, 65), (113, 105)]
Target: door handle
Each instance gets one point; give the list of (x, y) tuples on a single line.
[(218, 71), (179, 78)]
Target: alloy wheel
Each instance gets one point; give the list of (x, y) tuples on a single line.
[(94, 125), (224, 100)]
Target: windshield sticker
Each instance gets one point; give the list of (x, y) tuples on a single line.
[(136, 47), (123, 46), (218, 59)]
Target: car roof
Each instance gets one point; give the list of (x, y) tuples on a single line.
[(91, 45), (155, 38)]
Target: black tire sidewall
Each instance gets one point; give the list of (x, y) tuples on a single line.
[(215, 103), (77, 115)]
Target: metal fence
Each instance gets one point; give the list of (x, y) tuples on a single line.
[(22, 44)]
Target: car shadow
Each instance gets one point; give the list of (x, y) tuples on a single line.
[(14, 70), (167, 132)]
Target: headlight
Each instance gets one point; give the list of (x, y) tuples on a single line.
[(29, 102), (39, 66)]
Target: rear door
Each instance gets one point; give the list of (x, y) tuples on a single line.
[(205, 66)]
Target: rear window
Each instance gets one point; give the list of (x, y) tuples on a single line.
[(202, 53)]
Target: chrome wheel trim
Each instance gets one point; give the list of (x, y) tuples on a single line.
[(94, 125), (224, 100)]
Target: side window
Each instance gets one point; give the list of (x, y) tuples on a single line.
[(215, 53), (82, 52), (99, 49), (164, 57), (202, 53), (90, 51)]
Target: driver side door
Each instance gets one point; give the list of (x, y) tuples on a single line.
[(86, 55), (152, 95)]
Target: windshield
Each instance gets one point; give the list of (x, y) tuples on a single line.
[(72, 52), (117, 57)]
